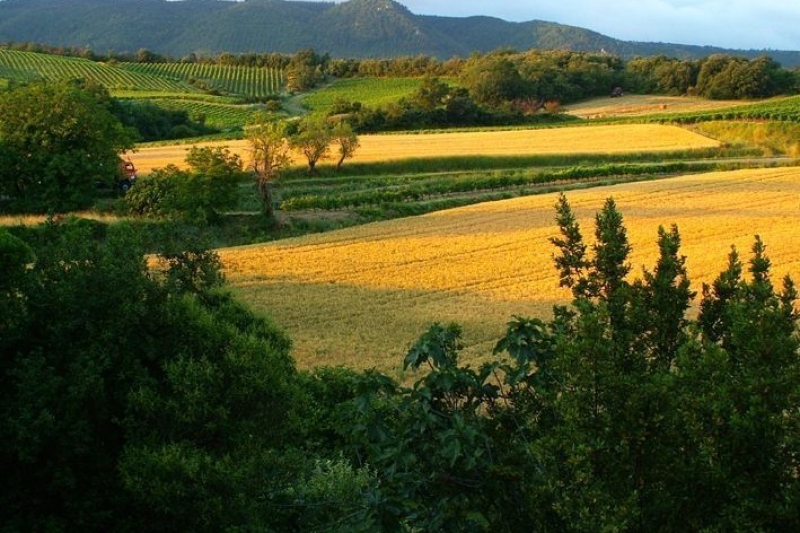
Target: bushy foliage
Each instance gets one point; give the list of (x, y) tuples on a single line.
[(154, 123), (141, 399), (130, 403), (199, 194), (57, 141), (717, 77), (618, 414)]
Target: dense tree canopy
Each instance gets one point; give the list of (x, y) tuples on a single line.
[(199, 194), (56, 142), (132, 400)]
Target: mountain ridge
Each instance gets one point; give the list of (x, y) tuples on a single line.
[(352, 29)]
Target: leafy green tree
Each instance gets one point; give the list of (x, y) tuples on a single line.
[(57, 140), (749, 431), (305, 70), (133, 403), (431, 94), (347, 141), (156, 194), (493, 80), (213, 184), (269, 143), (313, 140), (199, 195)]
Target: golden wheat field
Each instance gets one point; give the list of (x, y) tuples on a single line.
[(591, 139), (361, 296)]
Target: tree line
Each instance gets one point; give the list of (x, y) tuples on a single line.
[(569, 76), (563, 75), (141, 396)]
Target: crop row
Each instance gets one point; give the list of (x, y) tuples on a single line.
[(233, 79), (367, 91), (26, 66), (221, 116), (480, 265), (447, 185), (782, 110)]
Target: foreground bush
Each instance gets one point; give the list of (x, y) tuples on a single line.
[(618, 414), (198, 195), (131, 400)]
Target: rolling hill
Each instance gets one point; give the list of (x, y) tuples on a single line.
[(355, 28)]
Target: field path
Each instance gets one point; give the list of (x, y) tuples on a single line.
[(587, 139), (361, 296)]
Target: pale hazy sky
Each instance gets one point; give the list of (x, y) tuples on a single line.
[(743, 24)]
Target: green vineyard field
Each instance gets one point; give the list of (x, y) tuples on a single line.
[(29, 66), (785, 109), (370, 92), (256, 82), (220, 115)]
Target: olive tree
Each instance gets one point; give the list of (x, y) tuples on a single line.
[(270, 149), (313, 140), (347, 140)]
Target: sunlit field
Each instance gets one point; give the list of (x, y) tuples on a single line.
[(636, 105), (361, 296), (591, 139)]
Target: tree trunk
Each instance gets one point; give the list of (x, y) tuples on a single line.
[(265, 194)]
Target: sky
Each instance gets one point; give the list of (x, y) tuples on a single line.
[(738, 24)]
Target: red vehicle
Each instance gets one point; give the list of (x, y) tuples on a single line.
[(127, 175)]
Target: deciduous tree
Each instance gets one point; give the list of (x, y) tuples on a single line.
[(347, 141), (271, 154), (313, 140), (58, 140)]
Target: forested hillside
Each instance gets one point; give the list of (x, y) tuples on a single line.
[(356, 28)]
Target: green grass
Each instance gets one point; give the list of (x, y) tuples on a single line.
[(370, 92), (774, 138)]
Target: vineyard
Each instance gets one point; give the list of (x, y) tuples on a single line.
[(221, 115), (257, 82), (381, 285), (785, 109), (370, 92), (175, 86), (29, 66)]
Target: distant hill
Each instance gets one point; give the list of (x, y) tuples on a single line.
[(354, 29)]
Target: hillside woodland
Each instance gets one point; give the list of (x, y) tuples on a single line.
[(354, 29)]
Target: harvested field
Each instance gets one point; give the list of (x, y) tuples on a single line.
[(359, 297), (629, 138), (636, 105)]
